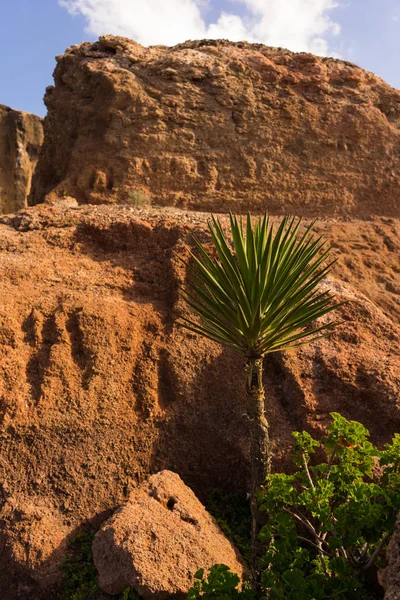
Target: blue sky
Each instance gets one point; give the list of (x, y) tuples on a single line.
[(33, 32)]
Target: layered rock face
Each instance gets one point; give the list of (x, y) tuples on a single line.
[(99, 387), (21, 136), (214, 125)]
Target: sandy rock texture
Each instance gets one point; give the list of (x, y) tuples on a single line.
[(99, 387), (215, 125), (37, 539), (157, 541), (21, 136), (390, 577)]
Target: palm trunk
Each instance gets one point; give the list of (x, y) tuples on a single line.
[(260, 451)]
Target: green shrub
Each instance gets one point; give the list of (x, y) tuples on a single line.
[(137, 198), (329, 524), (79, 573), (233, 515), (80, 581), (128, 594), (220, 584)]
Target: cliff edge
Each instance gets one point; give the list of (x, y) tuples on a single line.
[(216, 125)]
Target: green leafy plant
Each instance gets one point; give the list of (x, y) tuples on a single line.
[(79, 573), (128, 594), (329, 523), (232, 513), (137, 198), (257, 292), (80, 580), (219, 584)]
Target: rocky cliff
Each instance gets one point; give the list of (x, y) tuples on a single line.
[(214, 125), (99, 387), (21, 136)]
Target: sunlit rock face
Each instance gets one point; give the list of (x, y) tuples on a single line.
[(21, 136), (215, 125)]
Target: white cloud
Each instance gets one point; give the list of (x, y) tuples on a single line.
[(230, 27), (146, 21), (301, 25), (295, 24)]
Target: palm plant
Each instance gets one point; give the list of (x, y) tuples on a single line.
[(258, 297)]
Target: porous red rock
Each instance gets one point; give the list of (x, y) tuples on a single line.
[(214, 125), (32, 533), (157, 541), (21, 136), (99, 387)]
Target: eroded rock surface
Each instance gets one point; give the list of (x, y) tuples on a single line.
[(32, 534), (99, 387), (157, 541), (215, 125), (21, 136), (390, 577)]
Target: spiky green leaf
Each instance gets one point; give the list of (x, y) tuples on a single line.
[(259, 291)]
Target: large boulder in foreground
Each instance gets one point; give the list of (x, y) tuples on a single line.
[(214, 125), (158, 540), (21, 136)]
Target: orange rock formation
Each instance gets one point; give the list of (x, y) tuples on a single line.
[(99, 387), (21, 135), (215, 125)]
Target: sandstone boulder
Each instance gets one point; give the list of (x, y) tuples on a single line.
[(214, 125), (21, 136), (158, 540)]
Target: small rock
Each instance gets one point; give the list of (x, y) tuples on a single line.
[(61, 201), (159, 539)]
